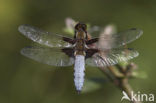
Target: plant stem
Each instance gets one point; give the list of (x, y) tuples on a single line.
[(118, 80)]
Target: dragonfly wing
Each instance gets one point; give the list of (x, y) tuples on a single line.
[(119, 39), (50, 56), (111, 57), (125, 37), (42, 37), (95, 30)]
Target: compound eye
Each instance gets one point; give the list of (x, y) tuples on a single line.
[(77, 27), (84, 27)]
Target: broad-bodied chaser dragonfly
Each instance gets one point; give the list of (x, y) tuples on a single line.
[(59, 50)]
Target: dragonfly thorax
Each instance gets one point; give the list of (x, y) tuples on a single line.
[(80, 47), (81, 37), (81, 31)]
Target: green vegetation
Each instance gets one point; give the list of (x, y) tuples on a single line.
[(23, 80)]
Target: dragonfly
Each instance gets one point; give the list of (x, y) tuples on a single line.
[(80, 50)]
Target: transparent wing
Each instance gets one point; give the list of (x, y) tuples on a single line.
[(50, 56), (119, 39), (111, 57), (94, 30), (42, 37)]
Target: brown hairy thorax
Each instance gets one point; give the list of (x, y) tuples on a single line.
[(81, 39)]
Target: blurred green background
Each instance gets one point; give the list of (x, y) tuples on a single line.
[(23, 80)]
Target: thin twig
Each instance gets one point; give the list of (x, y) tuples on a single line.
[(118, 80)]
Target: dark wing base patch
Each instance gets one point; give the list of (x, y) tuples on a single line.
[(91, 52), (68, 51)]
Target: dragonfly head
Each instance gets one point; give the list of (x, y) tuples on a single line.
[(81, 27), (81, 30)]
